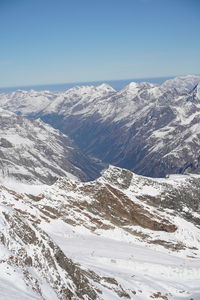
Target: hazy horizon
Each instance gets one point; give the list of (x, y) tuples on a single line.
[(117, 84), (52, 42)]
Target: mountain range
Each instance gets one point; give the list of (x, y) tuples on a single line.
[(150, 129), (89, 206)]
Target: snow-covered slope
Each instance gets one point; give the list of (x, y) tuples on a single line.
[(188, 81), (31, 102), (26, 102), (122, 236), (32, 151)]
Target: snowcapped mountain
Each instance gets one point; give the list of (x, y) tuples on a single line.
[(26, 102), (188, 81), (31, 102), (122, 236), (32, 151), (150, 129), (78, 98)]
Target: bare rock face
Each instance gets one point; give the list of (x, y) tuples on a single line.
[(32, 151), (112, 204), (5, 143), (121, 199)]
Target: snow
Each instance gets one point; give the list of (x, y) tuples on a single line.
[(4, 253), (126, 253), (147, 267), (13, 286), (184, 116), (188, 81), (135, 263), (5, 113), (35, 151), (134, 267), (27, 102), (21, 187), (198, 91), (66, 101)]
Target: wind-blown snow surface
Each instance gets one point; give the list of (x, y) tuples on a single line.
[(133, 238)]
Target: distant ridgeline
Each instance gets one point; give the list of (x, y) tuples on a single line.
[(116, 84)]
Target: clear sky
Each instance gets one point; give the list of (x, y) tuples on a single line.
[(57, 41)]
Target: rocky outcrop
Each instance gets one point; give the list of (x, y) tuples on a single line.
[(38, 259), (37, 233)]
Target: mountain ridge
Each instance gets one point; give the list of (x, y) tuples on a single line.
[(32, 151), (141, 123), (61, 243)]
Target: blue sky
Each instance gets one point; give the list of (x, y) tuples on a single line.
[(57, 41)]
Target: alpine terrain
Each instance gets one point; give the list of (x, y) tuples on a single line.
[(122, 236), (150, 129), (100, 192), (32, 151)]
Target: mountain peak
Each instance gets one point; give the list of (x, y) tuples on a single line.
[(135, 86), (131, 86), (188, 81), (105, 87), (82, 89)]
